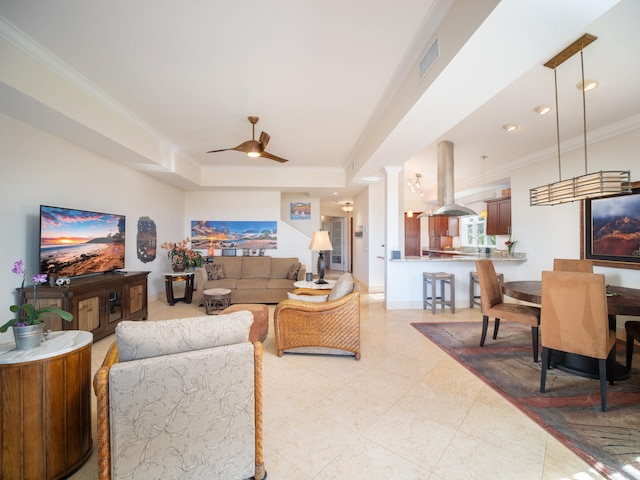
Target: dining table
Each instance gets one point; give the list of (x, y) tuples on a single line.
[(620, 301)]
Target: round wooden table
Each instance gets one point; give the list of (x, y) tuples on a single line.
[(45, 400), (620, 301)]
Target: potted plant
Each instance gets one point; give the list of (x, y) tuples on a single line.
[(27, 325), (182, 257)]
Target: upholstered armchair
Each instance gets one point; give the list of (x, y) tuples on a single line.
[(331, 323), (181, 399)]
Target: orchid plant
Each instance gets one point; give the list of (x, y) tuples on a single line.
[(179, 253), (27, 313)]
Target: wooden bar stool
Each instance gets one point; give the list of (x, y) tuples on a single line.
[(429, 297), (473, 281)]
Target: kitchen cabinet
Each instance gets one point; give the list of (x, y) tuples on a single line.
[(412, 235), (98, 303), (499, 216), (442, 225)]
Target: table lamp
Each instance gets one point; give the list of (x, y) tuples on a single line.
[(320, 242)]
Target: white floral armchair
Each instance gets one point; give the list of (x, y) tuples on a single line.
[(181, 399)]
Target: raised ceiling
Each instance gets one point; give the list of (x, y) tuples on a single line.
[(334, 83)]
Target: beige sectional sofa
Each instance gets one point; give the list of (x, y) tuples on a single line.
[(250, 279)]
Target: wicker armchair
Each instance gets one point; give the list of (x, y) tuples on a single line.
[(194, 413), (333, 324)]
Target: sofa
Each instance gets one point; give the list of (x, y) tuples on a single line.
[(250, 279), (181, 399)]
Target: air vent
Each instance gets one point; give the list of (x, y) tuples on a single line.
[(429, 58)]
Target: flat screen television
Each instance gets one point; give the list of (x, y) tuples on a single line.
[(79, 242)]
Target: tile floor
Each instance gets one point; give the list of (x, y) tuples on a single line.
[(406, 410)]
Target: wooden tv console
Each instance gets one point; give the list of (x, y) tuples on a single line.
[(97, 302)]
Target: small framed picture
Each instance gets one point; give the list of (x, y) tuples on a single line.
[(261, 252), (245, 252)]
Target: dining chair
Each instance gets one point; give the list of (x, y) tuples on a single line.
[(493, 305), (632, 327), (575, 321), (572, 265)]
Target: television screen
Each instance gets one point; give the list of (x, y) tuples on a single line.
[(79, 242)]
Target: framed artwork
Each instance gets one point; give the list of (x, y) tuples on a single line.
[(206, 234), (358, 231), (300, 211), (611, 230), (228, 252)]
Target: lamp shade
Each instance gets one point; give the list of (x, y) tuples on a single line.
[(320, 241)]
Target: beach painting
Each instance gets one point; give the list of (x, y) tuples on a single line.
[(79, 242), (209, 234)]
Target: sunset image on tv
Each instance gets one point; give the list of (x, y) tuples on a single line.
[(79, 242)]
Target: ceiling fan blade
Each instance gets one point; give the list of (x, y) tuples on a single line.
[(273, 157), (243, 147), (264, 139)]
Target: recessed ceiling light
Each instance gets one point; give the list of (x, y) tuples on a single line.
[(588, 85), (510, 127), (542, 109)]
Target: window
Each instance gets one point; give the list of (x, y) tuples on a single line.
[(472, 233)]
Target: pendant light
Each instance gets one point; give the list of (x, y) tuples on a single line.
[(589, 185)]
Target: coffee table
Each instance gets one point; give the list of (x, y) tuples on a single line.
[(315, 286), (216, 300)]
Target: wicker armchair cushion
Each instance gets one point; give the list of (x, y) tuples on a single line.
[(343, 287), (308, 298), (138, 340)]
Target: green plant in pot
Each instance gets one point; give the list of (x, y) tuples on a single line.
[(28, 322)]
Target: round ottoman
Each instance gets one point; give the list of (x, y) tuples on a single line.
[(260, 326), (216, 299)]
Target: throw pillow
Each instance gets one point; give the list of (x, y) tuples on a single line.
[(215, 271), (344, 286), (293, 271), (308, 298)]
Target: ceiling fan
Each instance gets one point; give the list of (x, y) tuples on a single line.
[(254, 148)]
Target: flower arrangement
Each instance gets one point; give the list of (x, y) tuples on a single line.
[(27, 313), (182, 256), (510, 244)]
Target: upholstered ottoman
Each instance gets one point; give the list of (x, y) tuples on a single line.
[(260, 328)]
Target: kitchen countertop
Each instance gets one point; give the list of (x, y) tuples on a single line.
[(464, 257)]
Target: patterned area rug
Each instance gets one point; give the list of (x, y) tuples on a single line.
[(570, 408)]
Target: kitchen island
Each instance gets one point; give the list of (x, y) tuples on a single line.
[(404, 275)]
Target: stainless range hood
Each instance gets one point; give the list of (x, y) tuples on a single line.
[(446, 193)]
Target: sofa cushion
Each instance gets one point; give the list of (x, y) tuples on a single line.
[(344, 286), (280, 266), (256, 267), (281, 283), (292, 274), (252, 283), (146, 339), (308, 298), (224, 283), (215, 271), (232, 266)]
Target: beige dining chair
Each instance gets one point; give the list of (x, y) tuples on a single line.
[(572, 265), (575, 320), (493, 305)]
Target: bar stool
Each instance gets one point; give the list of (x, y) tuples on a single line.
[(429, 281), (473, 280)]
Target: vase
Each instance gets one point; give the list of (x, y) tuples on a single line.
[(28, 337), (178, 267)]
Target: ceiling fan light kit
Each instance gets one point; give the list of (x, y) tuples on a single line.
[(590, 185), (254, 148)]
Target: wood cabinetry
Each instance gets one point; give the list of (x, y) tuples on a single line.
[(499, 216), (412, 235), (441, 229), (97, 303), (45, 400)]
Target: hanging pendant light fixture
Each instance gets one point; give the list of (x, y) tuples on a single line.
[(589, 185)]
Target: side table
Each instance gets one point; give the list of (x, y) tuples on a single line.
[(187, 277), (322, 286), (216, 300), (45, 407)]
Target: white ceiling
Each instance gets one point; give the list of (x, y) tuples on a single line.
[(335, 83)]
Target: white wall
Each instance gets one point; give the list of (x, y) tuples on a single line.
[(229, 205), (38, 168)]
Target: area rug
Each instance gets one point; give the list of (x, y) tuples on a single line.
[(570, 408)]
